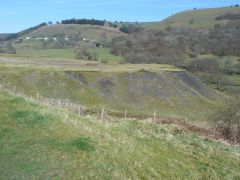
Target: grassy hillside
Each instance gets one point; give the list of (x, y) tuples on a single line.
[(138, 88), (41, 142), (70, 30), (65, 49), (203, 18)]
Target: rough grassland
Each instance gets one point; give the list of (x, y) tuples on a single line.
[(202, 18), (138, 88), (40, 142)]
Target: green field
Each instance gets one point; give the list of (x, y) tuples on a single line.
[(41, 142), (202, 18), (34, 48), (105, 54)]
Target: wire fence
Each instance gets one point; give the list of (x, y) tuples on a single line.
[(81, 110)]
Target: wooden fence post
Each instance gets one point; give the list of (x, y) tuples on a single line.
[(125, 117), (154, 115), (97, 114), (102, 114), (79, 110)]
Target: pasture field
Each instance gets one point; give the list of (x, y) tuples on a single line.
[(105, 54)]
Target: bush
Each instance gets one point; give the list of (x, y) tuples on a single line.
[(104, 61), (124, 29), (227, 120)]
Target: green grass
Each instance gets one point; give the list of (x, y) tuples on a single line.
[(25, 47), (34, 48), (105, 54), (234, 79), (203, 18), (64, 146), (34, 44)]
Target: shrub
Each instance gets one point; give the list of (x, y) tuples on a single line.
[(104, 61), (227, 120), (124, 29)]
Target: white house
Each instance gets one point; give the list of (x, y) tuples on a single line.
[(28, 38), (55, 39), (46, 38), (66, 38), (85, 39)]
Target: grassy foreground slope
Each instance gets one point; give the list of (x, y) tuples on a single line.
[(202, 18), (40, 142)]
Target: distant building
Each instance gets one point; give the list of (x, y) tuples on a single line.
[(46, 38), (66, 38), (55, 39), (85, 39), (27, 38)]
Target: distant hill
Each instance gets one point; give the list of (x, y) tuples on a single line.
[(4, 35), (202, 18), (60, 40), (91, 32), (14, 36)]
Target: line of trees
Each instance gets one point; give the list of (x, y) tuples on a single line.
[(131, 28), (84, 21)]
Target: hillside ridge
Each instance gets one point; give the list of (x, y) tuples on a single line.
[(197, 18)]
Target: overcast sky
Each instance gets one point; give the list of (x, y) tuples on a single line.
[(16, 15)]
